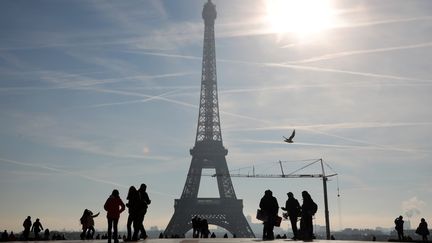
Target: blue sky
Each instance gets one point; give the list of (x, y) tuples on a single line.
[(96, 95)]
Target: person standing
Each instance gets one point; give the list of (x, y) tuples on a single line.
[(27, 225), (132, 204), (36, 228), (292, 206), (114, 207), (195, 227), (308, 210), (270, 208), (399, 227), (423, 230), (144, 201)]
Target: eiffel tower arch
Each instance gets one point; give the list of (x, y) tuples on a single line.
[(209, 153)]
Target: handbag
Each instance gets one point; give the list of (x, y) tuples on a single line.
[(260, 215), (278, 221)]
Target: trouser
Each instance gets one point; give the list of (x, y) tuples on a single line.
[(139, 226), (268, 228), (26, 233), (112, 230), (131, 220), (294, 226)]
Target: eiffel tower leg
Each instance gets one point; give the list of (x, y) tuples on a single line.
[(179, 224)]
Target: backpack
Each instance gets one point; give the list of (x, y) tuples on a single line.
[(314, 208)]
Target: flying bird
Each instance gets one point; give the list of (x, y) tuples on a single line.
[(290, 139)]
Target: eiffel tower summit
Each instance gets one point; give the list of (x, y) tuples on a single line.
[(226, 211)]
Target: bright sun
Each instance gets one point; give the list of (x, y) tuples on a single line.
[(299, 16)]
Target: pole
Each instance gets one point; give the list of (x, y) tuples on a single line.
[(326, 212), (280, 163)]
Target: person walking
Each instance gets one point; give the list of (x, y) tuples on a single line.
[(132, 204), (114, 207), (144, 201), (27, 225), (270, 208), (308, 210), (423, 230), (399, 227), (36, 228), (292, 206)]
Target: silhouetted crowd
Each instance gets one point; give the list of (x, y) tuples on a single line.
[(421, 230), (200, 228), (268, 213), (138, 201), (32, 231)]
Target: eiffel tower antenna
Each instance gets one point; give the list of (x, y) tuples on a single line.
[(209, 153)]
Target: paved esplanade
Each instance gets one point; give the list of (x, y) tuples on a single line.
[(198, 240)]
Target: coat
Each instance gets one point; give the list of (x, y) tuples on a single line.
[(114, 207)]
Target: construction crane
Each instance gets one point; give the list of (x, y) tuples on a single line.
[(323, 175)]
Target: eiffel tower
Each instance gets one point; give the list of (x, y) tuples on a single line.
[(209, 153)]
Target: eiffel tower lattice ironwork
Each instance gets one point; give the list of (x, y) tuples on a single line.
[(209, 153)]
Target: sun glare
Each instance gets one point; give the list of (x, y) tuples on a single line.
[(299, 16)]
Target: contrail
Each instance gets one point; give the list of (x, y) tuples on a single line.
[(313, 129), (330, 70), (336, 146), (358, 52), (133, 101), (86, 82), (63, 171), (344, 125), (386, 21), (90, 178), (384, 147), (168, 55), (297, 67)]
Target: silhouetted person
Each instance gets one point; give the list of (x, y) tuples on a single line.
[(423, 230), (225, 235), (213, 235), (270, 208), (399, 227), (308, 210), (142, 210), (292, 206), (27, 225), (87, 223), (4, 236), (36, 228), (133, 209), (114, 207), (12, 237), (195, 227), (46, 234), (204, 228)]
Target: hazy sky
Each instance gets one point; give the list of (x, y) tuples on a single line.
[(97, 95)]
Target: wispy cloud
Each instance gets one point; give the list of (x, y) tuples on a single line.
[(57, 170), (92, 178), (298, 67), (334, 146), (132, 101), (360, 52), (383, 22)]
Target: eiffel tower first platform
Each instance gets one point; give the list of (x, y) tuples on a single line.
[(209, 153)]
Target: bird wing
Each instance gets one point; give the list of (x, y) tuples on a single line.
[(292, 135)]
